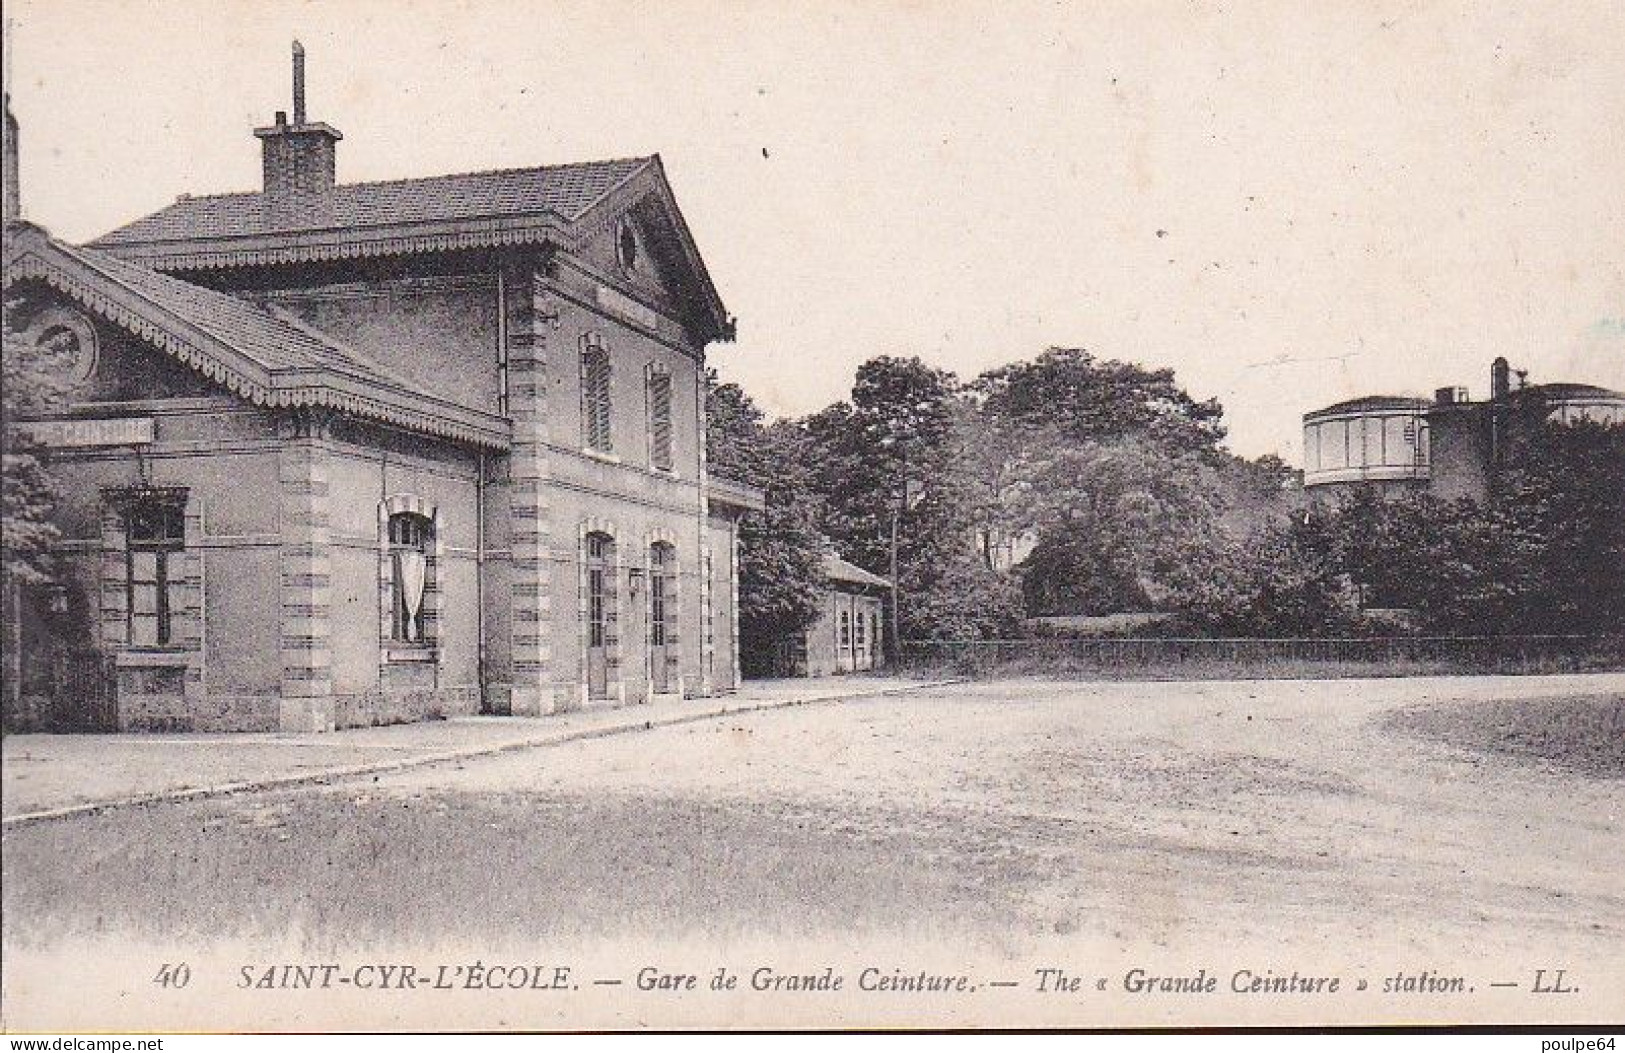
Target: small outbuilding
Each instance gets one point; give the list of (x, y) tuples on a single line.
[(848, 635)]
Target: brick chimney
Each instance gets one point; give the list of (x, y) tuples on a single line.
[(13, 204), (300, 162)]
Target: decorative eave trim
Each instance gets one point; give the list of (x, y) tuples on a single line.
[(225, 366), (271, 389), (346, 243)]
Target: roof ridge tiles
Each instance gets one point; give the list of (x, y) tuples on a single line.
[(186, 196), (510, 170)]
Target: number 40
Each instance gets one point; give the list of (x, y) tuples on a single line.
[(177, 976)]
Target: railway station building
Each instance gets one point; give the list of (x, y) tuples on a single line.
[(340, 454)]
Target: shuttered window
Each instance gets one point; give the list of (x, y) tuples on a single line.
[(595, 405), (660, 420)]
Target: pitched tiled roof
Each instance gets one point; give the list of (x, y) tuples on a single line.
[(838, 569), (266, 356), (566, 191), (272, 338)]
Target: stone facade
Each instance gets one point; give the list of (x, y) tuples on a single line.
[(397, 497)]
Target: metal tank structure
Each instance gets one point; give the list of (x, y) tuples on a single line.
[(1451, 445), (1572, 403), (1475, 443), (1379, 440)]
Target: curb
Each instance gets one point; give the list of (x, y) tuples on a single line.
[(334, 775)]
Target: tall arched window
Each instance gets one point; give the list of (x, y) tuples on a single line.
[(595, 401), (411, 548)]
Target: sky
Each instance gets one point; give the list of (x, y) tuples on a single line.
[(1288, 204)]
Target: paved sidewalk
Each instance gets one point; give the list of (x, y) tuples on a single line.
[(54, 776)]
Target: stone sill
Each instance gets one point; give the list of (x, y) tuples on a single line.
[(155, 659), (410, 655)]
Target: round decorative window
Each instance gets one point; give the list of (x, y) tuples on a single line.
[(626, 246), (68, 341)]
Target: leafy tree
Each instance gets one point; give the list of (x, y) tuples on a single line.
[(1283, 581), (1088, 460), (1102, 512), (781, 570), (1565, 509), (957, 596), (1255, 493), (30, 386), (889, 448), (891, 458), (1090, 399)]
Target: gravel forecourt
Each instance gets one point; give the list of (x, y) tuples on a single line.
[(1466, 824)]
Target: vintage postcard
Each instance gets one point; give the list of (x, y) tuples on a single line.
[(825, 514)]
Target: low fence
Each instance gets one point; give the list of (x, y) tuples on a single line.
[(1213, 658)]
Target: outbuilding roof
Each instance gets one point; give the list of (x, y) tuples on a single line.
[(838, 569)]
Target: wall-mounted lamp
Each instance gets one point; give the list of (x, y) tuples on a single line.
[(634, 580)]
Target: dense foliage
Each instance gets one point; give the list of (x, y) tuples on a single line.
[(30, 386), (781, 573), (890, 465), (1073, 486), (1546, 556)]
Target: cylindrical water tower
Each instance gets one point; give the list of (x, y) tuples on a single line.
[(1380, 440)]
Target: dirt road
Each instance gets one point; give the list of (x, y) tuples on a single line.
[(1391, 825)]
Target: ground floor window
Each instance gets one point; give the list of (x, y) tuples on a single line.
[(411, 539), (155, 538)]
